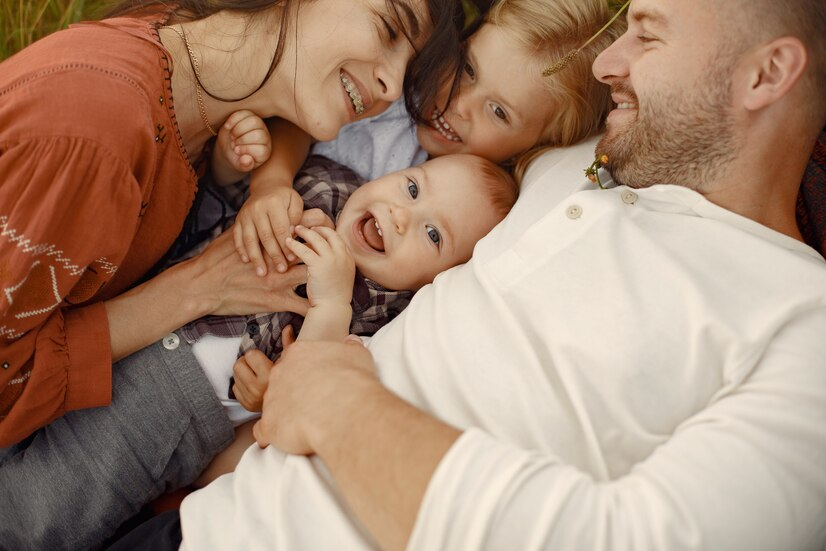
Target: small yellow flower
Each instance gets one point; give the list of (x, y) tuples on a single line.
[(603, 160), (592, 177)]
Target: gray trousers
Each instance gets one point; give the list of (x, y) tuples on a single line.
[(79, 478)]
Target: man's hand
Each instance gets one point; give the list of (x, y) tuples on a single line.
[(311, 390)]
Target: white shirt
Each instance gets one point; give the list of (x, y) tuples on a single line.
[(378, 145), (633, 370)]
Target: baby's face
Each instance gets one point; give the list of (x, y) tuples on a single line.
[(500, 108), (405, 228)]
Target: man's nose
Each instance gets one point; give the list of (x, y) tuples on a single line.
[(612, 62)]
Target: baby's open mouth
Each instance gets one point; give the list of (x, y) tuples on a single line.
[(352, 91), (440, 124), (372, 233)]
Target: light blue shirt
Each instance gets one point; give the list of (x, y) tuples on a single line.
[(378, 145)]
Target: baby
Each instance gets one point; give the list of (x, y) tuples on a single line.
[(392, 236)]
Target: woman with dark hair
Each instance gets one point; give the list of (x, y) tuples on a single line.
[(103, 132), (102, 135)]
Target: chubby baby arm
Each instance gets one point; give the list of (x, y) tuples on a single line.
[(330, 273)]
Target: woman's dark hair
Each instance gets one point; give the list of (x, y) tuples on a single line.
[(431, 67)]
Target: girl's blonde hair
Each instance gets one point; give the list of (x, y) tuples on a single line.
[(550, 29)]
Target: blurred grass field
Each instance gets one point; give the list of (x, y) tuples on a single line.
[(24, 21)]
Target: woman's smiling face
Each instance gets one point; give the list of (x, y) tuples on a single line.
[(351, 58)]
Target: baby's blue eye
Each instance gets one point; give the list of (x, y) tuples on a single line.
[(412, 188), (434, 235)]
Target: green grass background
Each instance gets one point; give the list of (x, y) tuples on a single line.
[(24, 21)]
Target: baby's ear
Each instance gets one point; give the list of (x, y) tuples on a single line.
[(772, 70)]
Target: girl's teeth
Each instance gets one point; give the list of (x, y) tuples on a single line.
[(378, 228), (440, 124)]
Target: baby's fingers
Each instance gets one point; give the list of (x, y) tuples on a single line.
[(314, 239), (302, 251), (250, 244), (334, 241)]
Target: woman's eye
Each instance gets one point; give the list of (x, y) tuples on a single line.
[(412, 188), (644, 38), (391, 31), (469, 71), (434, 235), (500, 113)]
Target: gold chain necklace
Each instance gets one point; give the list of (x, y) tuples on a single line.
[(193, 60)]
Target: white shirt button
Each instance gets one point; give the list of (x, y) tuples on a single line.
[(574, 212), (629, 197), (171, 341)]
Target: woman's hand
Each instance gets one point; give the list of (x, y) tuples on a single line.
[(222, 285)]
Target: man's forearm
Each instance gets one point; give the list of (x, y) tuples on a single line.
[(382, 453)]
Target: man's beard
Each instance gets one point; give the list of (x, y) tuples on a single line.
[(678, 136)]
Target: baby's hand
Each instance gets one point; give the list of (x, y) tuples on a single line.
[(244, 141), (330, 266), (252, 376), (265, 220)]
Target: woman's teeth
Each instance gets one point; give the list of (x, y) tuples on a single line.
[(626, 105), (440, 124), (378, 228), (353, 92)]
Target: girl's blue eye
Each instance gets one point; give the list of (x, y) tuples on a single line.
[(434, 235), (499, 112), (412, 188), (469, 70)]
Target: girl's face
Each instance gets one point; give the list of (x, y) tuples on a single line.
[(350, 59), (501, 105)]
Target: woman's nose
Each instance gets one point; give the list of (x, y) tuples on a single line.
[(390, 75)]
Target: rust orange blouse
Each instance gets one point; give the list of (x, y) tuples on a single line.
[(94, 187)]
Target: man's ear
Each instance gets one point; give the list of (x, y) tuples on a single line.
[(773, 70)]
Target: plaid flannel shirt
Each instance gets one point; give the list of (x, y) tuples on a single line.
[(326, 185)]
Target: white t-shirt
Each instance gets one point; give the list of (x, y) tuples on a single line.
[(632, 369)]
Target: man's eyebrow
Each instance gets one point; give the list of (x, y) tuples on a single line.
[(648, 15), (412, 24)]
